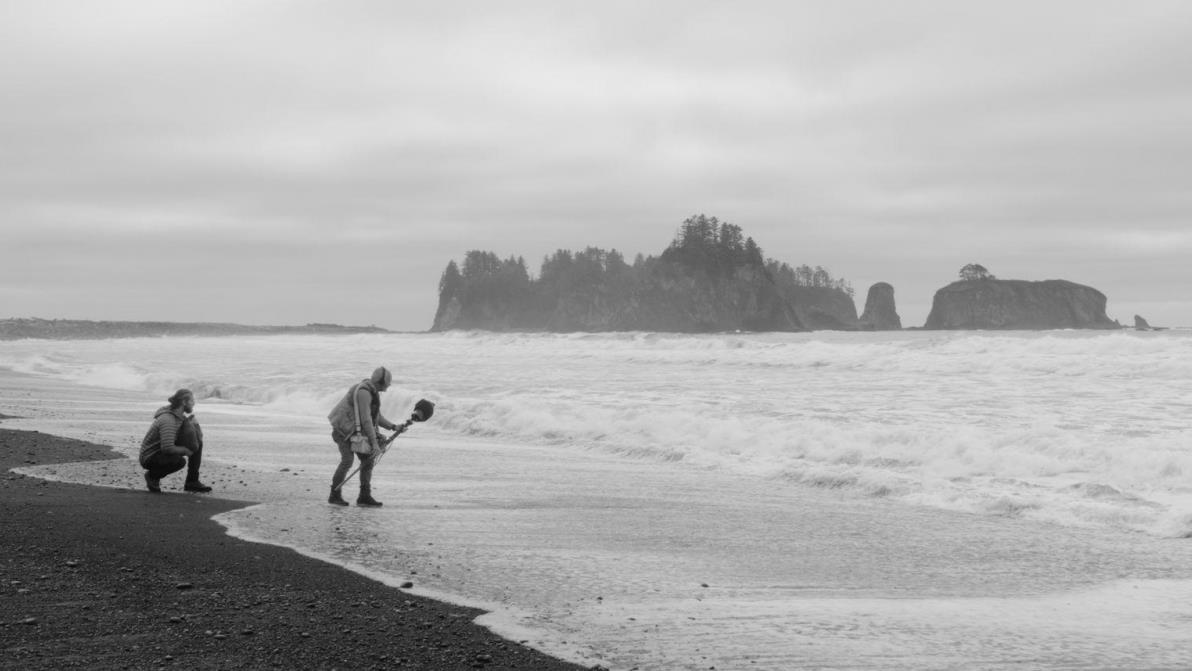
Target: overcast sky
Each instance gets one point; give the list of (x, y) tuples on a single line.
[(293, 162)]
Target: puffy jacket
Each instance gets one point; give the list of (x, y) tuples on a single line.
[(164, 431)]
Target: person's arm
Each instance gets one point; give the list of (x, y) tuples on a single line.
[(189, 434), (385, 423), (198, 431), (363, 403), (169, 434)]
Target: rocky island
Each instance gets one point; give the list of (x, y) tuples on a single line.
[(879, 314), (1141, 324), (711, 278), (981, 301), (714, 279)]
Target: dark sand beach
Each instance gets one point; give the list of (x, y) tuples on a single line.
[(95, 577)]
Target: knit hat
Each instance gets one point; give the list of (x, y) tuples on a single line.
[(382, 377)]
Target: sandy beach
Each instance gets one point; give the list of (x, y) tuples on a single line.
[(661, 540), (96, 577)]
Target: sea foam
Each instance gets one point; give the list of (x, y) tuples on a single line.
[(1012, 424), (729, 500)]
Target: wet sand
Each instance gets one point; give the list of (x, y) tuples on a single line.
[(592, 557), (96, 577)]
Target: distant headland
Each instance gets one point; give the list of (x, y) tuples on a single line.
[(79, 329), (712, 278)]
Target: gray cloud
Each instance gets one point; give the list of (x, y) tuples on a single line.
[(280, 144)]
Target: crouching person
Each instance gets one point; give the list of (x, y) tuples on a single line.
[(174, 441)]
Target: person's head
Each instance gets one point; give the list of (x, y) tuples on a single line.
[(381, 377), (183, 398)]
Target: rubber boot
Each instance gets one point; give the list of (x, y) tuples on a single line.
[(365, 499), (196, 486), (336, 497)]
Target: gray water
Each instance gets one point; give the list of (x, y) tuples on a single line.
[(885, 501)]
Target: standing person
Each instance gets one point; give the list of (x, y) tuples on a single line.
[(359, 412), (174, 441)]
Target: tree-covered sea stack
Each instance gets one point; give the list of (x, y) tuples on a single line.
[(711, 278)]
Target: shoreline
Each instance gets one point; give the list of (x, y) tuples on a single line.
[(759, 541), (120, 578)]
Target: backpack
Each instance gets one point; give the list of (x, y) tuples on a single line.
[(345, 417)]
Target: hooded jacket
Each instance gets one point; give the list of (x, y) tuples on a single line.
[(164, 431)]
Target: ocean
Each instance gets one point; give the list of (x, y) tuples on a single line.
[(901, 500)]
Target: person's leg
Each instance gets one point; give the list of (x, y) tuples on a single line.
[(159, 466), (341, 472), (190, 437), (366, 468)]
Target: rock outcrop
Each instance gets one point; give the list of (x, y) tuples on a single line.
[(820, 308), (1141, 324), (880, 313), (1018, 304)]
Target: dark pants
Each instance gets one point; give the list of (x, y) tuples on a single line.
[(161, 464), (345, 462)]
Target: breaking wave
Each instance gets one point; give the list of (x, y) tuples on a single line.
[(1084, 429)]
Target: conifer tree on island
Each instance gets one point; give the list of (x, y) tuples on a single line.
[(975, 271)]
